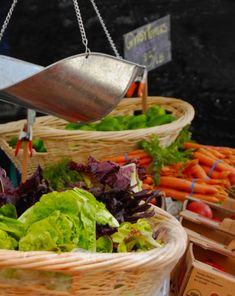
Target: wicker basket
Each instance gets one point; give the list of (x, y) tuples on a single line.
[(83, 273), (79, 144)]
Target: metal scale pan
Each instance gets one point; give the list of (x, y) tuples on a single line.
[(83, 87), (79, 88)]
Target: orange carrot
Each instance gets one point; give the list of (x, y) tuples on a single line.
[(220, 182), (206, 197), (144, 161), (185, 185), (138, 152), (167, 171), (208, 161), (117, 159), (176, 194), (232, 179), (191, 145), (188, 166), (198, 172), (208, 153), (181, 195), (147, 186), (224, 150), (216, 174), (148, 180), (216, 153)]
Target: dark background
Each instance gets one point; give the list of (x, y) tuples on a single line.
[(202, 71)]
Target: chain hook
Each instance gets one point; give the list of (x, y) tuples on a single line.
[(81, 27)]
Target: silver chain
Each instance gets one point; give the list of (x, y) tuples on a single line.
[(81, 26), (105, 29), (80, 23), (8, 17)]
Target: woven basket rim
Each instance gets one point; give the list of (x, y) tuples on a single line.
[(79, 261), (47, 131)]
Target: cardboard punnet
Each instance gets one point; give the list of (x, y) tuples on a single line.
[(196, 277), (215, 237), (227, 225)]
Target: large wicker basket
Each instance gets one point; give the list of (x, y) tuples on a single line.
[(83, 273), (79, 144)]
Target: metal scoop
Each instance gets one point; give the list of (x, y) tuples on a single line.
[(79, 88)]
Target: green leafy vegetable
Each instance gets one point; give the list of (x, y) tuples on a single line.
[(161, 119), (155, 115), (7, 242), (104, 244), (60, 176), (109, 123), (8, 210), (135, 237), (56, 232), (166, 155), (67, 220), (12, 226)]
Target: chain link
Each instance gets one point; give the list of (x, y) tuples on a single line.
[(81, 26), (8, 17), (105, 29)]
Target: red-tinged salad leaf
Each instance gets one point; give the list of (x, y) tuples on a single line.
[(31, 191), (116, 186), (106, 173), (26, 194), (8, 193)]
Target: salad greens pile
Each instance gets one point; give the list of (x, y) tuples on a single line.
[(154, 116), (104, 210)]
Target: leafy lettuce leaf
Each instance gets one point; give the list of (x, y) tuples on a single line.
[(12, 226), (7, 242), (9, 211), (64, 220), (104, 244), (57, 232), (135, 237)]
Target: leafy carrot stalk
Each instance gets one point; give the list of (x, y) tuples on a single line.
[(185, 185), (181, 195), (208, 161)]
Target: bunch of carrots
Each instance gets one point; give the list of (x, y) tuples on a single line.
[(209, 175)]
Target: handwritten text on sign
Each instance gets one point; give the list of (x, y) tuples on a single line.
[(149, 45)]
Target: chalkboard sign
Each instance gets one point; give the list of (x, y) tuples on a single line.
[(149, 45)]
